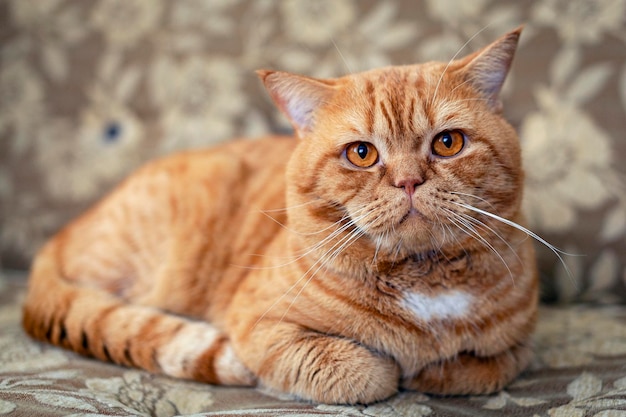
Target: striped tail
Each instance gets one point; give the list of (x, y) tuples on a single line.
[(95, 323)]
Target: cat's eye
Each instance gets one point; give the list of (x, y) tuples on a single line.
[(448, 143), (362, 154)]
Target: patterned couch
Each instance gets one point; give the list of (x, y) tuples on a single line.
[(91, 89)]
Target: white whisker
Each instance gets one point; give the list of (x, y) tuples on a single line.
[(285, 209), (284, 226), (461, 85), (558, 252), (343, 58), (306, 251), (490, 229), (472, 196), (468, 228), (432, 100), (323, 260)]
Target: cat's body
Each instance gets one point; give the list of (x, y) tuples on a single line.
[(336, 267)]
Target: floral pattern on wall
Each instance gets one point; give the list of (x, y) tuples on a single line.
[(91, 89)]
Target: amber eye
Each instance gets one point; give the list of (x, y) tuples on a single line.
[(448, 143), (362, 154)]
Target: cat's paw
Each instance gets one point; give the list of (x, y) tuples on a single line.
[(361, 380), (468, 374), (333, 371)]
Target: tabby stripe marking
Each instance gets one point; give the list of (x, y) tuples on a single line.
[(358, 308), (495, 152), (411, 112), (369, 114), (105, 352), (131, 349), (305, 357), (386, 115), (96, 331), (154, 331), (398, 102), (84, 341), (48, 327), (523, 306), (128, 359)]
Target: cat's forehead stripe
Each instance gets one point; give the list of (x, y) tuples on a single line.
[(393, 104), (370, 92), (399, 103)]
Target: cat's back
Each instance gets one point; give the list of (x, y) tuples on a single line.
[(184, 215), (234, 167), (252, 156), (174, 188)]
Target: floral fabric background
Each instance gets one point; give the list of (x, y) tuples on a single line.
[(91, 89)]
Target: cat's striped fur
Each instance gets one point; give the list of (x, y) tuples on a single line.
[(375, 251)]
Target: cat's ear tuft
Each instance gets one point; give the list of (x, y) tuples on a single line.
[(297, 96), (487, 69)]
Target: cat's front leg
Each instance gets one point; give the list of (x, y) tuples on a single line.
[(469, 374), (319, 367)]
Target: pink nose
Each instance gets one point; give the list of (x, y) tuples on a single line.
[(409, 185)]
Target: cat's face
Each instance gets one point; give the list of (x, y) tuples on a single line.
[(398, 151)]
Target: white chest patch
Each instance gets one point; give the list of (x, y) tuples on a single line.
[(448, 305)]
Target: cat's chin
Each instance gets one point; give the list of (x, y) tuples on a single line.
[(412, 216), (413, 233), (413, 246)]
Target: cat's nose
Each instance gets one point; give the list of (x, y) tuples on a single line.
[(409, 185)]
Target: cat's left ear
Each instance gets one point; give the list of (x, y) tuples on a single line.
[(487, 69), (297, 96)]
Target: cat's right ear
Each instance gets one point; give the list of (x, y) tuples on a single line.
[(298, 97), (487, 69)]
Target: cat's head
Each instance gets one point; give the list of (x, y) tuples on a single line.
[(397, 152)]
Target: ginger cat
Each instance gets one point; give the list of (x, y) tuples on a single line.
[(380, 249)]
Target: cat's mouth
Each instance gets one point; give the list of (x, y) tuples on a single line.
[(412, 214)]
